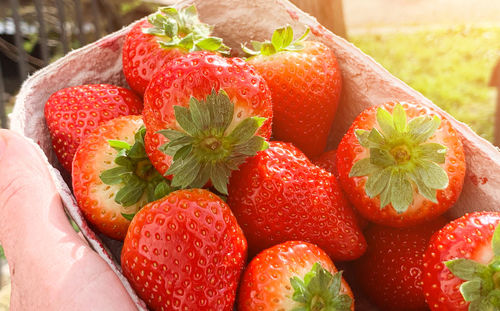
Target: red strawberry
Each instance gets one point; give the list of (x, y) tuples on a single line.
[(112, 176), (390, 272), (185, 252), (73, 112), (293, 276), (328, 162), (462, 264), (228, 104), (279, 195), (165, 35), (305, 81), (403, 168)]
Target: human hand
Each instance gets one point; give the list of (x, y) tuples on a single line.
[(51, 266)]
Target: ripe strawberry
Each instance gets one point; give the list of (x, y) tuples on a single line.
[(185, 252), (390, 272), (73, 112), (228, 104), (328, 162), (401, 169), (165, 35), (112, 176), (279, 195), (293, 276), (462, 264), (305, 82)]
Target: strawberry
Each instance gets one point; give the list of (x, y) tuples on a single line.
[(205, 115), (112, 176), (279, 195), (403, 168), (293, 276), (390, 272), (160, 38), (305, 81), (185, 252), (328, 162), (462, 264), (73, 112)]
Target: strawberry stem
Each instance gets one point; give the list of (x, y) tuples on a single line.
[(482, 282), (135, 173), (183, 29), (282, 40), (205, 148), (401, 159), (319, 290)]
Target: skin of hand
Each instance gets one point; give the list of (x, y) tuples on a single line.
[(51, 266)]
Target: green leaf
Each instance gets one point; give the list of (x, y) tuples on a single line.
[(251, 146), (422, 128), (433, 175), (401, 192), (137, 151), (114, 175), (130, 193), (425, 191), (2, 253), (377, 182), (495, 241), (128, 217), (245, 130), (188, 174), (162, 189), (386, 122), (200, 114), (119, 145), (183, 117), (209, 44), (399, 116), (282, 37), (219, 175), (465, 269), (471, 290), (221, 110), (375, 139), (385, 196), (363, 167), (183, 152), (433, 152), (362, 136), (171, 134), (381, 157), (267, 49)]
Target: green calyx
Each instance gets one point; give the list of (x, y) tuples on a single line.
[(282, 40), (482, 282), (183, 29), (320, 291), (135, 173), (205, 149), (401, 159)]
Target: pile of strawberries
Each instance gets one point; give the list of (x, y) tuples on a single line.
[(212, 161)]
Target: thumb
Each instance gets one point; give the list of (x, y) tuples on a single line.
[(52, 268)]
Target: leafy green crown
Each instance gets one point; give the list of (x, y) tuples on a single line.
[(204, 150), (482, 282), (183, 29), (401, 159), (135, 173), (282, 40), (320, 291)]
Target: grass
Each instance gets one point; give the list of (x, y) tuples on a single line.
[(451, 67)]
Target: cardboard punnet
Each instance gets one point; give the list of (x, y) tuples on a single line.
[(365, 83)]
